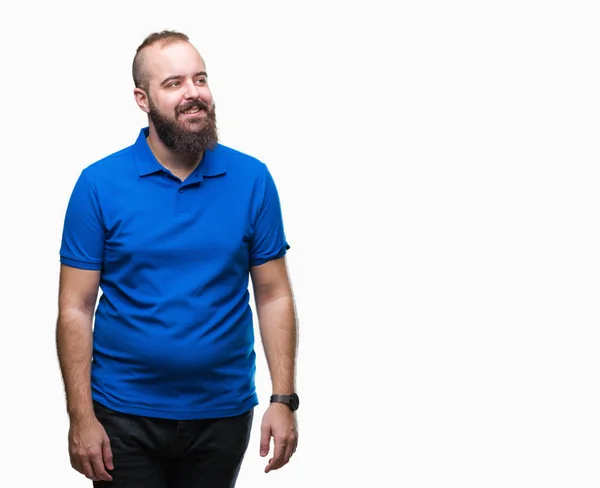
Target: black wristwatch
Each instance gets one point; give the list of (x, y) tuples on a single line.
[(291, 401)]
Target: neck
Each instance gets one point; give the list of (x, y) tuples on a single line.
[(180, 164)]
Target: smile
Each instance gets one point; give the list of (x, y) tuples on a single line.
[(194, 113)]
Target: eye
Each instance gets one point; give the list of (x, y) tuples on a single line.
[(173, 84), (201, 81)]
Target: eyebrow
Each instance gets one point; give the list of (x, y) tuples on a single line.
[(179, 77)]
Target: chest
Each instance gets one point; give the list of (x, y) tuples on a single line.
[(166, 222)]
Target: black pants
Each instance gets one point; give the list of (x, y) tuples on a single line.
[(159, 453)]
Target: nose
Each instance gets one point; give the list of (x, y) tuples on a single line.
[(191, 91)]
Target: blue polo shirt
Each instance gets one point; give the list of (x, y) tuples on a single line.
[(173, 330)]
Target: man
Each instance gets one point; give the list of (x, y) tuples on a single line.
[(160, 390)]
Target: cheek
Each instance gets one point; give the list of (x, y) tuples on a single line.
[(206, 96), (166, 104)]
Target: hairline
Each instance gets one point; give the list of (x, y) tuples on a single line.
[(164, 39)]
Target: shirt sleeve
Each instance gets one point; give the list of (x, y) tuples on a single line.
[(268, 239), (83, 232)]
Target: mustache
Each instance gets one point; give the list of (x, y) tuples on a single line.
[(193, 104)]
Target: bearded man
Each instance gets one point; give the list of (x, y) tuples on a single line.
[(159, 372)]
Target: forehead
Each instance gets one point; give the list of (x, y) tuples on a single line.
[(175, 59)]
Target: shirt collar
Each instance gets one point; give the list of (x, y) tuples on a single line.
[(146, 162)]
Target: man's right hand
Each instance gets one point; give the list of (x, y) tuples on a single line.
[(89, 448)]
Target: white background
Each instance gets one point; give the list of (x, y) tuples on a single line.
[(438, 170)]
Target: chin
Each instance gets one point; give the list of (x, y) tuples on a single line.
[(195, 120), (192, 123)]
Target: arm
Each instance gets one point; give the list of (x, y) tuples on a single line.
[(278, 328), (277, 322), (78, 291), (89, 446)]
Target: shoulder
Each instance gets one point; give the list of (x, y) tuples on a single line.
[(239, 161), (110, 167)]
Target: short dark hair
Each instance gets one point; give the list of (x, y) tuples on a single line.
[(166, 37)]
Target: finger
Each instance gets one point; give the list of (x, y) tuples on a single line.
[(278, 452), (265, 440), (289, 450), (87, 470), (107, 455), (98, 467), (76, 463)]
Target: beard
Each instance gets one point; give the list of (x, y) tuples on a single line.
[(192, 136)]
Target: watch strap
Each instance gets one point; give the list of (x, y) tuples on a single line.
[(281, 398)]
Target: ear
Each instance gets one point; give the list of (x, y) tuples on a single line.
[(141, 98)]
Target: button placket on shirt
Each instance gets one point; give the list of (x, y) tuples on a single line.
[(185, 193)]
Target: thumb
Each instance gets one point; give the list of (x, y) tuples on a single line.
[(107, 455), (265, 439)]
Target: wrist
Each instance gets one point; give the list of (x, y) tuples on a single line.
[(292, 401), (81, 414)]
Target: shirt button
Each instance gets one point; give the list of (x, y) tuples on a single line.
[(180, 191)]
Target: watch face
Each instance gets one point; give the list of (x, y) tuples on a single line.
[(294, 401)]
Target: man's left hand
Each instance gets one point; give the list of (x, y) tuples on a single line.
[(280, 423)]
